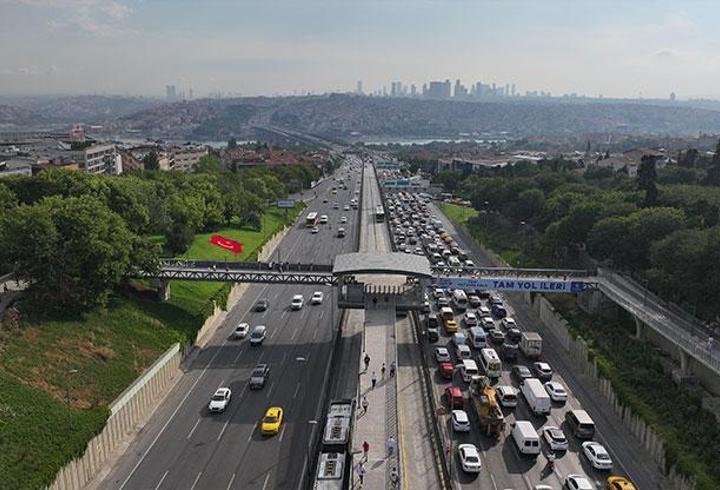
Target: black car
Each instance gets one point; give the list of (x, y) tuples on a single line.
[(259, 375), (496, 336), (262, 305), (510, 352), (513, 335), (482, 293), (433, 334), (521, 373)]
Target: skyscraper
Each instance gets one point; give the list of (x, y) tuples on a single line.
[(359, 89)]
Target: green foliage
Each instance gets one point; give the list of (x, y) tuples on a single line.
[(150, 161), (209, 164), (646, 179)]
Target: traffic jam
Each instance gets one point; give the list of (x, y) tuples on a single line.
[(490, 381)]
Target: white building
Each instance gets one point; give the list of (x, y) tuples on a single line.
[(101, 159), (15, 167), (186, 158)]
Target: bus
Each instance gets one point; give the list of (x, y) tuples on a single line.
[(311, 220), (491, 363), (379, 213)]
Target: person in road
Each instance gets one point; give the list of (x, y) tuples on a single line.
[(361, 471), (391, 446), (710, 342), (373, 379), (382, 371), (392, 369), (365, 404), (366, 450), (366, 360)]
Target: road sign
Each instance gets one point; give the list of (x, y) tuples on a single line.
[(520, 284), (286, 203)]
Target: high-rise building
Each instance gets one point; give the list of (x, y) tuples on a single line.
[(413, 90), (439, 90), (359, 89), (170, 93), (512, 89), (507, 90), (190, 94), (460, 90)]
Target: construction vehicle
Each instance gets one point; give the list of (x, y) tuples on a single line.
[(483, 399)]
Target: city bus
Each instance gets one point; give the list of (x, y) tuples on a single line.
[(311, 220), (379, 213)]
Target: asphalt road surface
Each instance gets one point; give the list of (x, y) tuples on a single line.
[(185, 447)]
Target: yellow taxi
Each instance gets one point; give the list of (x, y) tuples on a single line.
[(451, 326), (619, 483), (272, 421)]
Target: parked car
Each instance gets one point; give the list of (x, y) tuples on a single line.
[(220, 400), (555, 438), (578, 482)]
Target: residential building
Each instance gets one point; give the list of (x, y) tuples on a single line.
[(186, 158), (100, 159), (15, 167)]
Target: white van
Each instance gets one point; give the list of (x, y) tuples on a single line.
[(478, 338), (462, 351), (447, 313), (490, 363), (526, 437), (536, 396), (460, 299), (469, 370)]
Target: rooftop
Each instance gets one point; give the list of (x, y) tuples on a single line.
[(392, 263)]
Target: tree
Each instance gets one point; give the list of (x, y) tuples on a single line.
[(209, 164), (72, 251), (646, 178), (8, 199), (529, 205), (150, 161)]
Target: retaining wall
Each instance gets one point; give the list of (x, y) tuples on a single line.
[(128, 410)]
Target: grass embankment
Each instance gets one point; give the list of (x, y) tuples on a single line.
[(503, 240), (691, 434), (86, 361)]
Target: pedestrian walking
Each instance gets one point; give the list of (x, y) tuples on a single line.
[(710, 342), (366, 450), (382, 371), (391, 446), (361, 471), (392, 369), (367, 361), (373, 379), (365, 404)]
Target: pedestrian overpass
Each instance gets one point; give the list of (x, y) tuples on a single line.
[(362, 277)]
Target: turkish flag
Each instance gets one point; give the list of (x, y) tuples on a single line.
[(226, 243)]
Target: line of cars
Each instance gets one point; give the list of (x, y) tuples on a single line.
[(487, 325)]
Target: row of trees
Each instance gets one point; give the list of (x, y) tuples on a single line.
[(75, 236), (667, 235)]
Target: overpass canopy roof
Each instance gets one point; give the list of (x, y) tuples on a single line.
[(392, 263)]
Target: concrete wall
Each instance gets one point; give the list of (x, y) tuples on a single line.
[(127, 411), (554, 324)]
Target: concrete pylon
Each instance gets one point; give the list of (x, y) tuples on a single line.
[(639, 328), (163, 288)]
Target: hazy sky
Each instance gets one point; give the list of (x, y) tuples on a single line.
[(615, 48)]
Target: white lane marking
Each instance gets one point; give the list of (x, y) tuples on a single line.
[(193, 429), (283, 358), (222, 431), (297, 389), (163, 477), (266, 481), (492, 479), (322, 313), (220, 385), (283, 314), (282, 433), (182, 402), (232, 479), (315, 331), (196, 480), (250, 435), (238, 356), (272, 385)]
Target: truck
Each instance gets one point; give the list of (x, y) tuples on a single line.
[(483, 399), (531, 345), (537, 397)]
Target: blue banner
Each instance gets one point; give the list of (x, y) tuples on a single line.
[(503, 284)]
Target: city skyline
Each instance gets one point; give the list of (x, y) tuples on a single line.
[(253, 48)]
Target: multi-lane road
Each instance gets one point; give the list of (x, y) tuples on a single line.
[(184, 446)]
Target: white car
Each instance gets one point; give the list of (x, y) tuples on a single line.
[(487, 322), (509, 322), (442, 354), (556, 391), (507, 396), (241, 331), (578, 482), (220, 400), (597, 455), (460, 421), (555, 438), (315, 229), (343, 219), (346, 208), (317, 298), (470, 319), (469, 458), (469, 263), (323, 219), (297, 302), (463, 352)]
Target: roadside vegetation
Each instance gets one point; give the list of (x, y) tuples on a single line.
[(84, 330), (663, 231)]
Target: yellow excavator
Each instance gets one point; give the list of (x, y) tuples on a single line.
[(484, 400)]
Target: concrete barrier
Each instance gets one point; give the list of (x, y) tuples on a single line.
[(126, 412)]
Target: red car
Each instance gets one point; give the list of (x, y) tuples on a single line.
[(446, 370), (454, 397)]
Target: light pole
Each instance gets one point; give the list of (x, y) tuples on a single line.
[(311, 423)]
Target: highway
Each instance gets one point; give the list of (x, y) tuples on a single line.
[(503, 466), (184, 446)]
